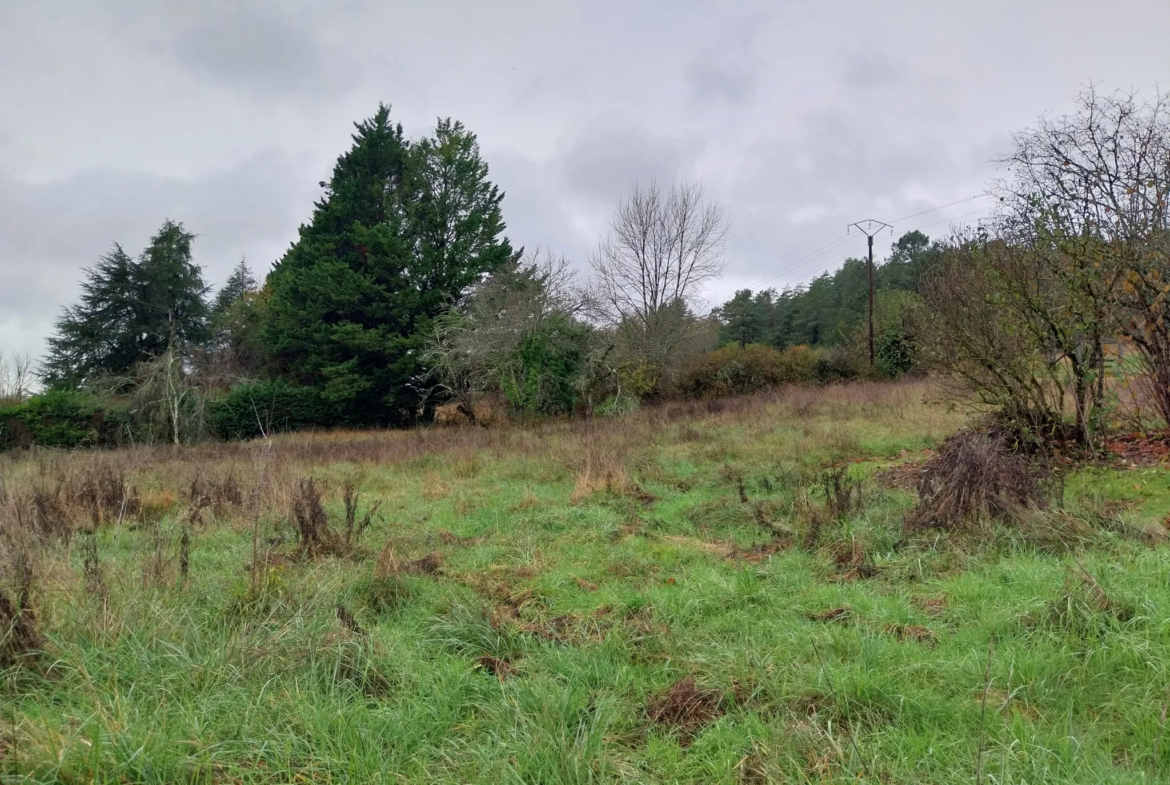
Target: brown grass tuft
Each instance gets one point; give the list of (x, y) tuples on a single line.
[(685, 708)]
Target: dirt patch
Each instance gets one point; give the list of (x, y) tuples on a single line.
[(585, 585), (931, 606), (501, 669), (900, 477), (913, 632), (685, 708), (841, 615), (852, 561), (1138, 449)]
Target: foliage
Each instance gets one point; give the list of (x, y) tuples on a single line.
[(403, 229), (263, 408), (831, 309), (739, 370), (63, 418), (130, 311)]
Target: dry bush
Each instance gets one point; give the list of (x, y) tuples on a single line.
[(216, 493), (355, 528), (314, 537), (104, 494), (600, 474), (974, 477), (19, 638)]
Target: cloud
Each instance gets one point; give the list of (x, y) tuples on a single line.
[(604, 166), (49, 232), (263, 49)]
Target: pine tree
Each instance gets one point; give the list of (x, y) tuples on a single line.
[(130, 311), (402, 230), (238, 284)]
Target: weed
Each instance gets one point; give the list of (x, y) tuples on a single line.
[(313, 535)]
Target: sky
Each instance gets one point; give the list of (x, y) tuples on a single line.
[(797, 117)]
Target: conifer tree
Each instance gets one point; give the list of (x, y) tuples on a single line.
[(130, 311), (402, 230)]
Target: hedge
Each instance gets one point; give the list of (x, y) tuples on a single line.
[(64, 419), (251, 410)]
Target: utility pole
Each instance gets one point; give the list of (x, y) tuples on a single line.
[(870, 228)]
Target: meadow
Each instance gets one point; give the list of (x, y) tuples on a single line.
[(696, 592)]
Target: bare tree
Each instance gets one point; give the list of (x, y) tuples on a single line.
[(648, 273), (17, 374), (1093, 190)]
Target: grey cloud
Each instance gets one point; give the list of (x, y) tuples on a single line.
[(49, 232), (263, 48), (720, 81), (874, 70), (604, 166)]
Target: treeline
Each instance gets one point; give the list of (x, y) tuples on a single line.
[(832, 310), (401, 294)]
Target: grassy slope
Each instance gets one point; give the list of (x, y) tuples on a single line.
[(601, 600)]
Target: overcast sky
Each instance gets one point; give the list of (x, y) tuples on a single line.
[(799, 117)]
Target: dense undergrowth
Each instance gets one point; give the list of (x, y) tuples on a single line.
[(721, 591)]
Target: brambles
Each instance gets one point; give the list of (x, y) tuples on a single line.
[(976, 476)]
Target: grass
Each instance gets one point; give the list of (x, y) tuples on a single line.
[(637, 600)]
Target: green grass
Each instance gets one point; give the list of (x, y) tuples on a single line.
[(600, 600)]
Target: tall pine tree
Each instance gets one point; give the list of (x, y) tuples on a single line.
[(402, 231), (130, 311)]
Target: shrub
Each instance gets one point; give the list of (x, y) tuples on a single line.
[(835, 365), (64, 419), (739, 370), (263, 408)]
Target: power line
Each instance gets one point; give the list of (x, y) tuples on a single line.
[(837, 243), (940, 207)]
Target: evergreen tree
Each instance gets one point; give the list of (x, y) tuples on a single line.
[(130, 311), (743, 318), (238, 284), (402, 230)]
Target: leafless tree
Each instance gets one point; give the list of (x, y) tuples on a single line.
[(474, 347), (649, 271), (17, 375), (1092, 189)]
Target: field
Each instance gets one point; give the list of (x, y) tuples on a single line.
[(694, 593)]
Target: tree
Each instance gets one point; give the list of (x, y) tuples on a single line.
[(649, 271), (402, 231), (743, 318), (517, 335), (240, 283), (130, 311), (1093, 189), (17, 374)]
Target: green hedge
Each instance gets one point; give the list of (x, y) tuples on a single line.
[(740, 370), (251, 410), (64, 419)]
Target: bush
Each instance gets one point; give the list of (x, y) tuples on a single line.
[(739, 370), (264, 408), (835, 365), (895, 353), (64, 419)]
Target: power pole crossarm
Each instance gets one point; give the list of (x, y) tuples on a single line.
[(869, 227)]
